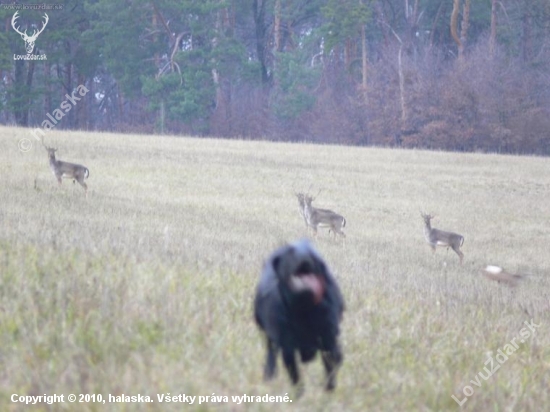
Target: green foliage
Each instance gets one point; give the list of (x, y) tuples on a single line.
[(229, 57), (239, 64), (6, 58), (296, 81), (344, 19), (5, 64), (187, 90), (116, 29), (188, 95)]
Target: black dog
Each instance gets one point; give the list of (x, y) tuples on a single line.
[(299, 307)]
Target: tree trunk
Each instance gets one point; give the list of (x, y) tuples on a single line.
[(28, 89), (493, 36), (81, 107), (258, 8), (454, 31), (23, 87), (435, 23), (277, 29), (527, 32), (71, 118), (47, 79), (465, 23), (404, 111), (276, 42), (364, 63)]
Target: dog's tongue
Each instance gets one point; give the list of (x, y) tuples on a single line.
[(313, 283)]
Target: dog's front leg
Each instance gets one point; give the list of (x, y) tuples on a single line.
[(271, 361), (332, 361)]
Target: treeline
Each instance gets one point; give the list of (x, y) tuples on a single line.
[(442, 74)]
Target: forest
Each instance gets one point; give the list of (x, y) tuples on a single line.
[(455, 75)]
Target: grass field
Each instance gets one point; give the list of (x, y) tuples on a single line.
[(146, 286)]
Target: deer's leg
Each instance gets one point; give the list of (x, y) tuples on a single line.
[(84, 185), (343, 238), (459, 253)]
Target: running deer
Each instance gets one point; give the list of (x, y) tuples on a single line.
[(436, 237), (67, 170), (499, 275), (316, 218)]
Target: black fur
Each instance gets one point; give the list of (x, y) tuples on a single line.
[(292, 321)]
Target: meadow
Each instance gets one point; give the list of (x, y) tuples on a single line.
[(146, 286)]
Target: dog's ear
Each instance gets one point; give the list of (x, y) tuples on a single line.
[(321, 268), (283, 262)]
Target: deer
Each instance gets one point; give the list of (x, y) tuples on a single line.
[(302, 204), (436, 237), (67, 170), (500, 275), (323, 218)]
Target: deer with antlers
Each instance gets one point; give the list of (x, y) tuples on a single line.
[(29, 40), (302, 204), (436, 237), (316, 218), (67, 170)]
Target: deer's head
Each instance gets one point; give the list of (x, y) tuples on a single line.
[(427, 217), (300, 196), (51, 151)]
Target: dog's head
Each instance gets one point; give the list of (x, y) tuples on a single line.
[(301, 273)]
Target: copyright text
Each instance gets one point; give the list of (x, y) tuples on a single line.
[(139, 398)]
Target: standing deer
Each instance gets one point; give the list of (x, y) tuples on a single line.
[(302, 204), (436, 237), (67, 170), (323, 218)]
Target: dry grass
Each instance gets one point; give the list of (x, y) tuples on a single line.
[(146, 286)]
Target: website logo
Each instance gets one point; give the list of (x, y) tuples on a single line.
[(29, 40)]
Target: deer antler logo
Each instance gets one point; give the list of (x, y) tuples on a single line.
[(29, 40)]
